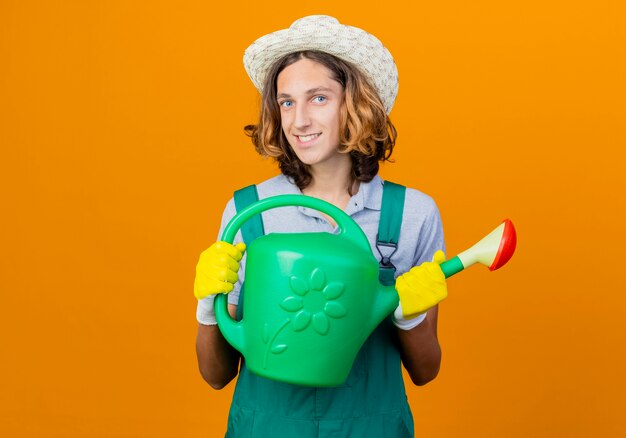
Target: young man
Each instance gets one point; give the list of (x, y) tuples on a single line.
[(327, 90)]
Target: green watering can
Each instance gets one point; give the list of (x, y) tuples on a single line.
[(312, 299)]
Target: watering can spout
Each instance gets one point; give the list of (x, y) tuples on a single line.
[(493, 251), (386, 302)]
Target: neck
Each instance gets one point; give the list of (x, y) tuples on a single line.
[(332, 182)]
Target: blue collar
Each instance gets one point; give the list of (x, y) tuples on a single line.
[(369, 196)]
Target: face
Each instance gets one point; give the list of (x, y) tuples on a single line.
[(310, 101)]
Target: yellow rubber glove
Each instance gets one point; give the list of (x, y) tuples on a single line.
[(422, 287), (216, 271)]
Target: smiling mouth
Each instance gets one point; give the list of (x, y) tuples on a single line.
[(307, 138)]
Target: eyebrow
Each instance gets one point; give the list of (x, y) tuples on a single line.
[(309, 92)]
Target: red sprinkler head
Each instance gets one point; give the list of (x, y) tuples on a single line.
[(507, 246)]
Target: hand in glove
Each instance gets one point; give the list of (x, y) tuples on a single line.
[(216, 271), (420, 289)]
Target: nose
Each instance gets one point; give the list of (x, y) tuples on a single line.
[(302, 119)]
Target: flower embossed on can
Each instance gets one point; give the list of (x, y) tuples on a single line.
[(312, 303)]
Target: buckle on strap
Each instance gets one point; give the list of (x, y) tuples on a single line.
[(385, 260)]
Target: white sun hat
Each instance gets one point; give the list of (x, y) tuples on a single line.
[(326, 34)]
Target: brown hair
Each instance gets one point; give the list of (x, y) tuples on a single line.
[(367, 134)]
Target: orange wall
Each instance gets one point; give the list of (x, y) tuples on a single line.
[(120, 124)]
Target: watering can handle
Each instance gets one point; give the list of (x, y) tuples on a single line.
[(232, 330), (347, 227)]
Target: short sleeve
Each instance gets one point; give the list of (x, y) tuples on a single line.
[(430, 237)]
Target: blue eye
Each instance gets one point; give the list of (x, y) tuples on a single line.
[(319, 99), (286, 103)]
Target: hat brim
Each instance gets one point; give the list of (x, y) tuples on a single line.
[(326, 34)]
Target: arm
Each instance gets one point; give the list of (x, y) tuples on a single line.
[(420, 290), (420, 350), (217, 360), (217, 272)]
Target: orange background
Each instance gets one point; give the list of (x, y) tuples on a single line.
[(120, 127)]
